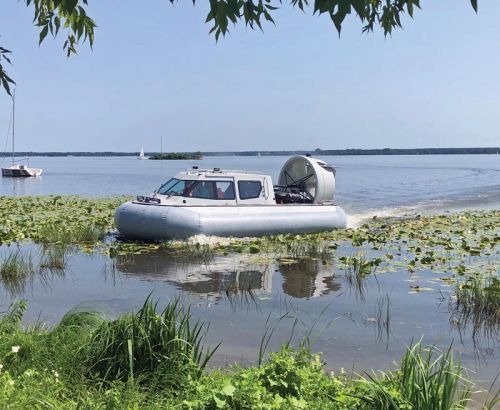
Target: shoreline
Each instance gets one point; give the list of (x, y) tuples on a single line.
[(256, 153)]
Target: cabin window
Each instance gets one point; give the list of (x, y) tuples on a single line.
[(199, 189), (225, 190), (249, 189)]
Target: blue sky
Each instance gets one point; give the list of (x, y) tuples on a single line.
[(155, 71)]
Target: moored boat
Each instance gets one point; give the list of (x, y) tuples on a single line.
[(16, 169), (236, 203)]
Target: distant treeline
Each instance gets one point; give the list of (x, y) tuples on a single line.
[(317, 151)]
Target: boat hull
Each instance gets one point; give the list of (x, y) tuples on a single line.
[(153, 222), (21, 172)]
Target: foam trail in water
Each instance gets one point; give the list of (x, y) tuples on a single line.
[(355, 220)]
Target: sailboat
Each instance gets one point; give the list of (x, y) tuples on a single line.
[(18, 170), (141, 155)]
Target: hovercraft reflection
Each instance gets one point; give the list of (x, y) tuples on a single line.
[(236, 203), (299, 278)]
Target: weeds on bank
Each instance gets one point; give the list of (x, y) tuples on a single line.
[(148, 346), (89, 362), (428, 379)]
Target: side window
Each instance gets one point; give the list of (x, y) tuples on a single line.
[(202, 189), (224, 190), (249, 189)]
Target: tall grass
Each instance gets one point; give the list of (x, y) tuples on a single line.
[(428, 379), (477, 304), (53, 258), (312, 248), (62, 235), (149, 346), (15, 271)]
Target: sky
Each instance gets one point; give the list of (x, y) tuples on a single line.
[(156, 72)]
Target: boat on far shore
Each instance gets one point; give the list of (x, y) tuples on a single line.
[(141, 154), (16, 169)]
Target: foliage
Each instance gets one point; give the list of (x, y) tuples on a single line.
[(49, 368), (174, 155), (51, 15), (427, 380), (148, 345)]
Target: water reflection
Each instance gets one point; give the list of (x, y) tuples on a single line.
[(305, 278), (300, 278), (212, 279)]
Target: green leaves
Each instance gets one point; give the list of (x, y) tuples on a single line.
[(70, 15), (5, 80), (50, 16), (384, 13)]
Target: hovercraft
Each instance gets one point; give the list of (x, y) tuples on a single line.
[(225, 203)]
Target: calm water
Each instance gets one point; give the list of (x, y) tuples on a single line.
[(365, 184), (237, 297)]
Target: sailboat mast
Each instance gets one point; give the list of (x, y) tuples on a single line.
[(13, 124)]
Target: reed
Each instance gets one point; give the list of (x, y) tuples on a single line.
[(15, 271), (149, 346), (428, 379), (383, 313), (62, 235), (53, 258), (311, 248), (477, 304)]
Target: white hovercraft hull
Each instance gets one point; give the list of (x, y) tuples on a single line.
[(154, 222)]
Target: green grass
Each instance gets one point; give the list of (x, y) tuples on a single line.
[(154, 359), (428, 379), (148, 346)]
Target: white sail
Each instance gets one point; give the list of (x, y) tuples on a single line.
[(141, 154)]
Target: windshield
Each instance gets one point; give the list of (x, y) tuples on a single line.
[(175, 187), (199, 189)]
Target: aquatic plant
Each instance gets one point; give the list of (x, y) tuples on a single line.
[(53, 258), (56, 219), (383, 312), (477, 304), (148, 345), (359, 265), (15, 270), (197, 252)]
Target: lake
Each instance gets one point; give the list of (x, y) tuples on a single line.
[(237, 296)]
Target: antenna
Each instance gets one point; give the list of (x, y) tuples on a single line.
[(13, 124)]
